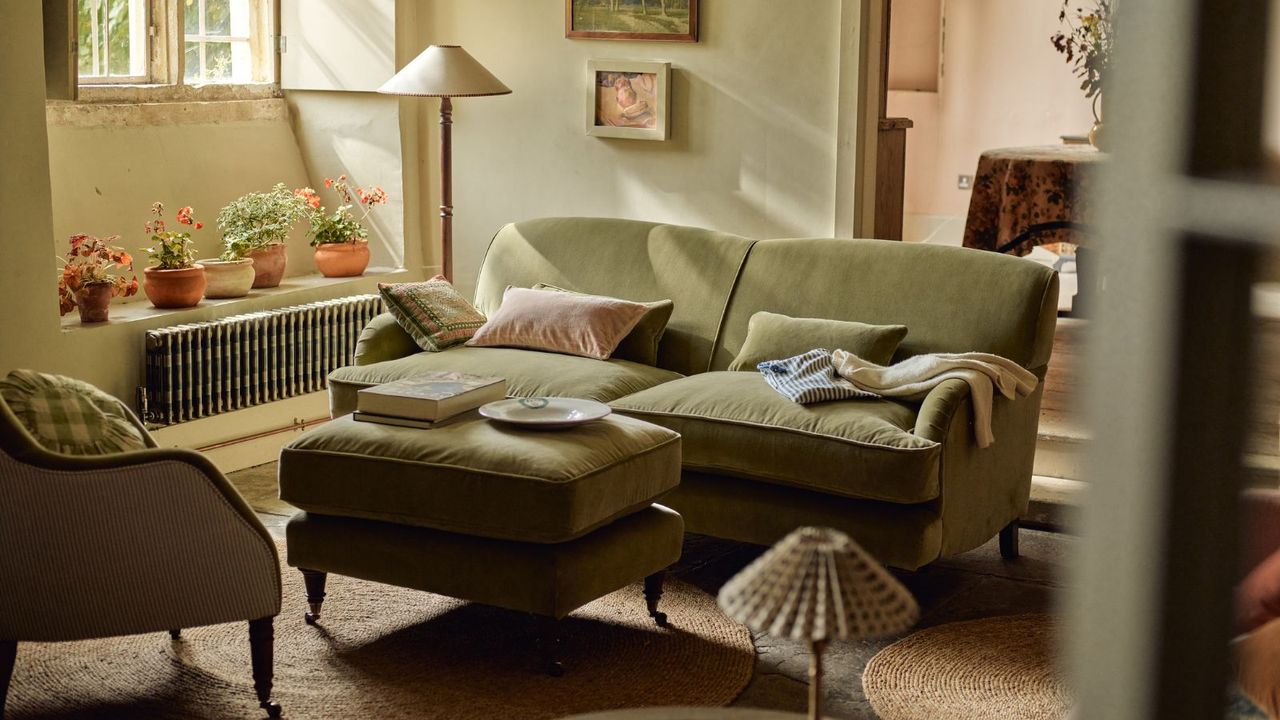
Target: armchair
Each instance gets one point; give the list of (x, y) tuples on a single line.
[(130, 543)]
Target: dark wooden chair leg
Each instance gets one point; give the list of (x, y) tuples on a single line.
[(652, 594), (1009, 541), (8, 653), (176, 633), (548, 639), (262, 657), (314, 580)]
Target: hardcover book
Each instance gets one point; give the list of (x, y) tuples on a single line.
[(431, 397)]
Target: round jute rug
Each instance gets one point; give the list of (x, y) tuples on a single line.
[(1000, 667), (386, 652)]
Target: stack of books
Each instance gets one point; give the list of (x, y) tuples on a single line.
[(427, 400)]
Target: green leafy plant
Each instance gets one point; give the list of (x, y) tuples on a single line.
[(340, 226), (91, 261), (1086, 42), (256, 220), (171, 249)]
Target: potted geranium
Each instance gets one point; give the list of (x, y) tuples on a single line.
[(340, 239), (255, 227), (88, 280), (176, 280)]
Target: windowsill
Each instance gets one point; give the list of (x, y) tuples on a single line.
[(293, 291), (161, 93)]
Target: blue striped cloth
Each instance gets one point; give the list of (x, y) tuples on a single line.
[(809, 378)]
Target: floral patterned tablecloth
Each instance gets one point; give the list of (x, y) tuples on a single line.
[(1021, 189)]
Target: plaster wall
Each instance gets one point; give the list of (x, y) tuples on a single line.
[(1002, 85), (755, 123), (109, 163)]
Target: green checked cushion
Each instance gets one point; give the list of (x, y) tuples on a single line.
[(434, 314), (69, 416)]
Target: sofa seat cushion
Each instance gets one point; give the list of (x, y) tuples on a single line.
[(476, 477), (529, 373), (734, 423)]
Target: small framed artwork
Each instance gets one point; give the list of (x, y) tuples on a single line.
[(669, 20), (627, 99)]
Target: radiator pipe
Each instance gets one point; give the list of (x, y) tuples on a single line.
[(297, 424)]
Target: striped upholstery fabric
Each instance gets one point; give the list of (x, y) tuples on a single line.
[(142, 547), (809, 378)]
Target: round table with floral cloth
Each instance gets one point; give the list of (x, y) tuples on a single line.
[(1024, 197)]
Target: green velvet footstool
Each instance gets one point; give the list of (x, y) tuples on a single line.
[(534, 521)]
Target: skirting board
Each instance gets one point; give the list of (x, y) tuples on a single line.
[(245, 438)]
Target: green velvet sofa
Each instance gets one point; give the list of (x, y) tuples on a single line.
[(905, 479)]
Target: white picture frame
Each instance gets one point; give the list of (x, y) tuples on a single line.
[(628, 99)]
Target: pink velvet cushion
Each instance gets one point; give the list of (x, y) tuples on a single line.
[(586, 325)]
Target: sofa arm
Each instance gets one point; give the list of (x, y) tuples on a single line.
[(383, 339), (939, 407)]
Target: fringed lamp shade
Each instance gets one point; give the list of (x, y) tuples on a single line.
[(818, 584)]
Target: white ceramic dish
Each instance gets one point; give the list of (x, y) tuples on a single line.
[(545, 413)]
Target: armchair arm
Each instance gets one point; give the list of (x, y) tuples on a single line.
[(383, 339), (118, 544), (939, 407)]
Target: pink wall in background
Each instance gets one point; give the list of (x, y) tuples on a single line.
[(1002, 85)]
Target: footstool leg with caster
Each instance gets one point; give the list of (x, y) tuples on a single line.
[(652, 594)]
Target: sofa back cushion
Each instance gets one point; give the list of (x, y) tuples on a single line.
[(637, 261), (951, 299)]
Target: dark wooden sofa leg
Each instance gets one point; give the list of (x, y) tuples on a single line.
[(1009, 541), (548, 640), (176, 633), (262, 657), (314, 580), (8, 653), (652, 594)]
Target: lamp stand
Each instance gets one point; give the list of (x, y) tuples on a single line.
[(815, 678), (446, 187)]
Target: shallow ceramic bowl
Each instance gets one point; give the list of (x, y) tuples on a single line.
[(545, 413)]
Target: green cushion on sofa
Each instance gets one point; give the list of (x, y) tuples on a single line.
[(641, 344), (482, 478), (529, 373), (734, 423), (771, 336), (69, 416)]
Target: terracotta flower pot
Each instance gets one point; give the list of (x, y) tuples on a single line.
[(268, 266), (228, 278), (181, 288), (94, 301), (342, 259)]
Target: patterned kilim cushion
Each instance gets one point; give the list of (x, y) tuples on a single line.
[(434, 314), (69, 416)]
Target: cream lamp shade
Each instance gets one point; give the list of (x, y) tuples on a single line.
[(444, 71), (818, 584)]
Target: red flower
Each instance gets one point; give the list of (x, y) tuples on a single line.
[(328, 182), (199, 225)]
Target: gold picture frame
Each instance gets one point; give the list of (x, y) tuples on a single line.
[(628, 99), (660, 20)]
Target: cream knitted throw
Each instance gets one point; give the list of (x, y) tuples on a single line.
[(913, 378)]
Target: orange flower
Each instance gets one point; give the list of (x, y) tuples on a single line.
[(328, 182)]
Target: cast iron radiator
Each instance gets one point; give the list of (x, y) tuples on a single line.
[(202, 369)]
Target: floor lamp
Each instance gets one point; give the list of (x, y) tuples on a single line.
[(445, 71)]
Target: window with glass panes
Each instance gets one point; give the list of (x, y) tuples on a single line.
[(113, 40), (217, 41)]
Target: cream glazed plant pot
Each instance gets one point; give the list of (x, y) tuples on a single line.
[(228, 278)]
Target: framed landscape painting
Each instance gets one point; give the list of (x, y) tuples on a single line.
[(627, 99), (671, 20)]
